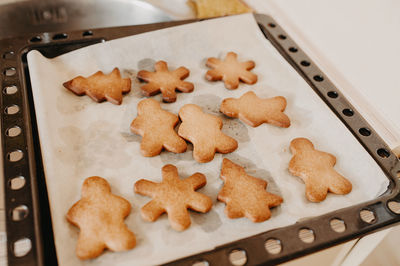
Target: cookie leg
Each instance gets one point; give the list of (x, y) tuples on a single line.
[(120, 239), (179, 218), (175, 144), (89, 246), (151, 211), (150, 147), (338, 184), (213, 75), (203, 152), (114, 96), (315, 190), (231, 83)]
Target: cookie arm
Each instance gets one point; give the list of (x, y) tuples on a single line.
[(197, 180), (199, 202), (145, 187)]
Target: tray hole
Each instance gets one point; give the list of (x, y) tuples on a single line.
[(367, 216), (306, 235), (272, 25), (201, 263), (87, 33), (15, 156), (338, 225), (10, 89), (13, 131), (11, 110), (384, 153), (293, 49), (281, 36), (273, 246), (22, 247), (333, 94), (305, 63), (8, 55), (238, 257), (36, 39), (364, 131), (9, 72), (60, 36), (19, 213), (318, 78), (17, 182), (348, 112), (394, 206)]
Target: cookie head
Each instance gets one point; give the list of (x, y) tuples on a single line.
[(95, 185), (230, 107), (300, 144)]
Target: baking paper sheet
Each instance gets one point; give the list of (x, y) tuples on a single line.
[(80, 138)]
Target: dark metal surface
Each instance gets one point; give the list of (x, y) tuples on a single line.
[(39, 224), (20, 17)]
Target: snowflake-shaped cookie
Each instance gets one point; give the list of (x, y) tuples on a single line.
[(174, 196), (165, 81), (231, 71)]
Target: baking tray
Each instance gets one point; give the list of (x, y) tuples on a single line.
[(22, 157)]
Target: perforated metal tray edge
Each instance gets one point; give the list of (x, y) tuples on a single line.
[(254, 247)]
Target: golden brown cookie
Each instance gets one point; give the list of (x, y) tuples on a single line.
[(231, 71), (315, 168), (100, 217), (101, 87), (216, 8), (165, 81), (204, 132), (174, 196), (245, 195), (156, 126), (254, 111)]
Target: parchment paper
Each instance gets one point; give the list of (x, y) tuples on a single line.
[(81, 138)]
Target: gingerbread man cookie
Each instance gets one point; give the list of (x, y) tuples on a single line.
[(254, 111), (101, 87), (174, 196), (231, 71), (156, 126), (245, 195), (204, 132), (100, 217), (315, 168), (165, 81)]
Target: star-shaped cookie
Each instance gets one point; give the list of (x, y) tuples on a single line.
[(245, 195), (231, 71), (100, 217), (315, 168), (165, 81), (254, 111), (174, 196), (156, 126), (204, 132), (101, 87)]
